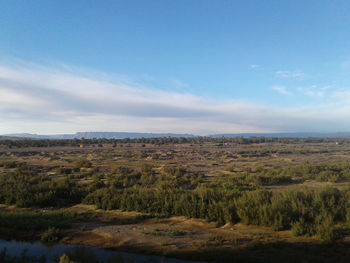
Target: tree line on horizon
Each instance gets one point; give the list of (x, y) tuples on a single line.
[(22, 143)]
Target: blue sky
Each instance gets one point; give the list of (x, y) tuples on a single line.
[(174, 66)]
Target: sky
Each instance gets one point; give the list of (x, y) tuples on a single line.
[(184, 66)]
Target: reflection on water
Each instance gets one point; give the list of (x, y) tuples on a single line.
[(26, 252)]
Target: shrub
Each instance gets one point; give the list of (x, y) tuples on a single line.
[(83, 163), (31, 221), (50, 235), (25, 189), (325, 228), (300, 228)]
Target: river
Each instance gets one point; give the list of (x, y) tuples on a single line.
[(40, 253)]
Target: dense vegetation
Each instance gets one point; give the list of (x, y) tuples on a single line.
[(223, 180), (326, 172), (170, 191), (24, 188), (34, 221), (321, 172), (21, 143), (200, 203), (306, 212)]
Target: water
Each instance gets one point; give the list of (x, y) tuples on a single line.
[(39, 253)]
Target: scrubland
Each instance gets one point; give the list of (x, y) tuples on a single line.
[(221, 200)]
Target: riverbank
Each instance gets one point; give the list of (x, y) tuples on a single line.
[(196, 239), (177, 237)]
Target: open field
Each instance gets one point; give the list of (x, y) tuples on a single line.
[(219, 200)]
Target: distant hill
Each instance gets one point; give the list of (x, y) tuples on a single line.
[(26, 135), (133, 135), (286, 135), (99, 135), (3, 137)]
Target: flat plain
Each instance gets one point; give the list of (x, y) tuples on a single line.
[(219, 200)]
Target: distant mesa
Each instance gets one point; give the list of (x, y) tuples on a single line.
[(287, 135), (135, 135), (98, 135)]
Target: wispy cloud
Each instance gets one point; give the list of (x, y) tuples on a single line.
[(281, 90), (51, 100), (292, 74), (342, 95), (345, 65), (254, 66), (179, 85), (314, 91)]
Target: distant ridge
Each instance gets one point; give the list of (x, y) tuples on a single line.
[(135, 135), (285, 135), (4, 137), (99, 135)]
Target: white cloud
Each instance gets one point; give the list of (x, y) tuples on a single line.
[(46, 100), (314, 91), (254, 66), (281, 90), (342, 96), (292, 74)]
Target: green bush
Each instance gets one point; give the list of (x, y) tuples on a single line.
[(50, 235), (300, 228), (83, 163), (325, 228), (24, 188)]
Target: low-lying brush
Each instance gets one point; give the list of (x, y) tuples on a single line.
[(306, 212), (32, 221)]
